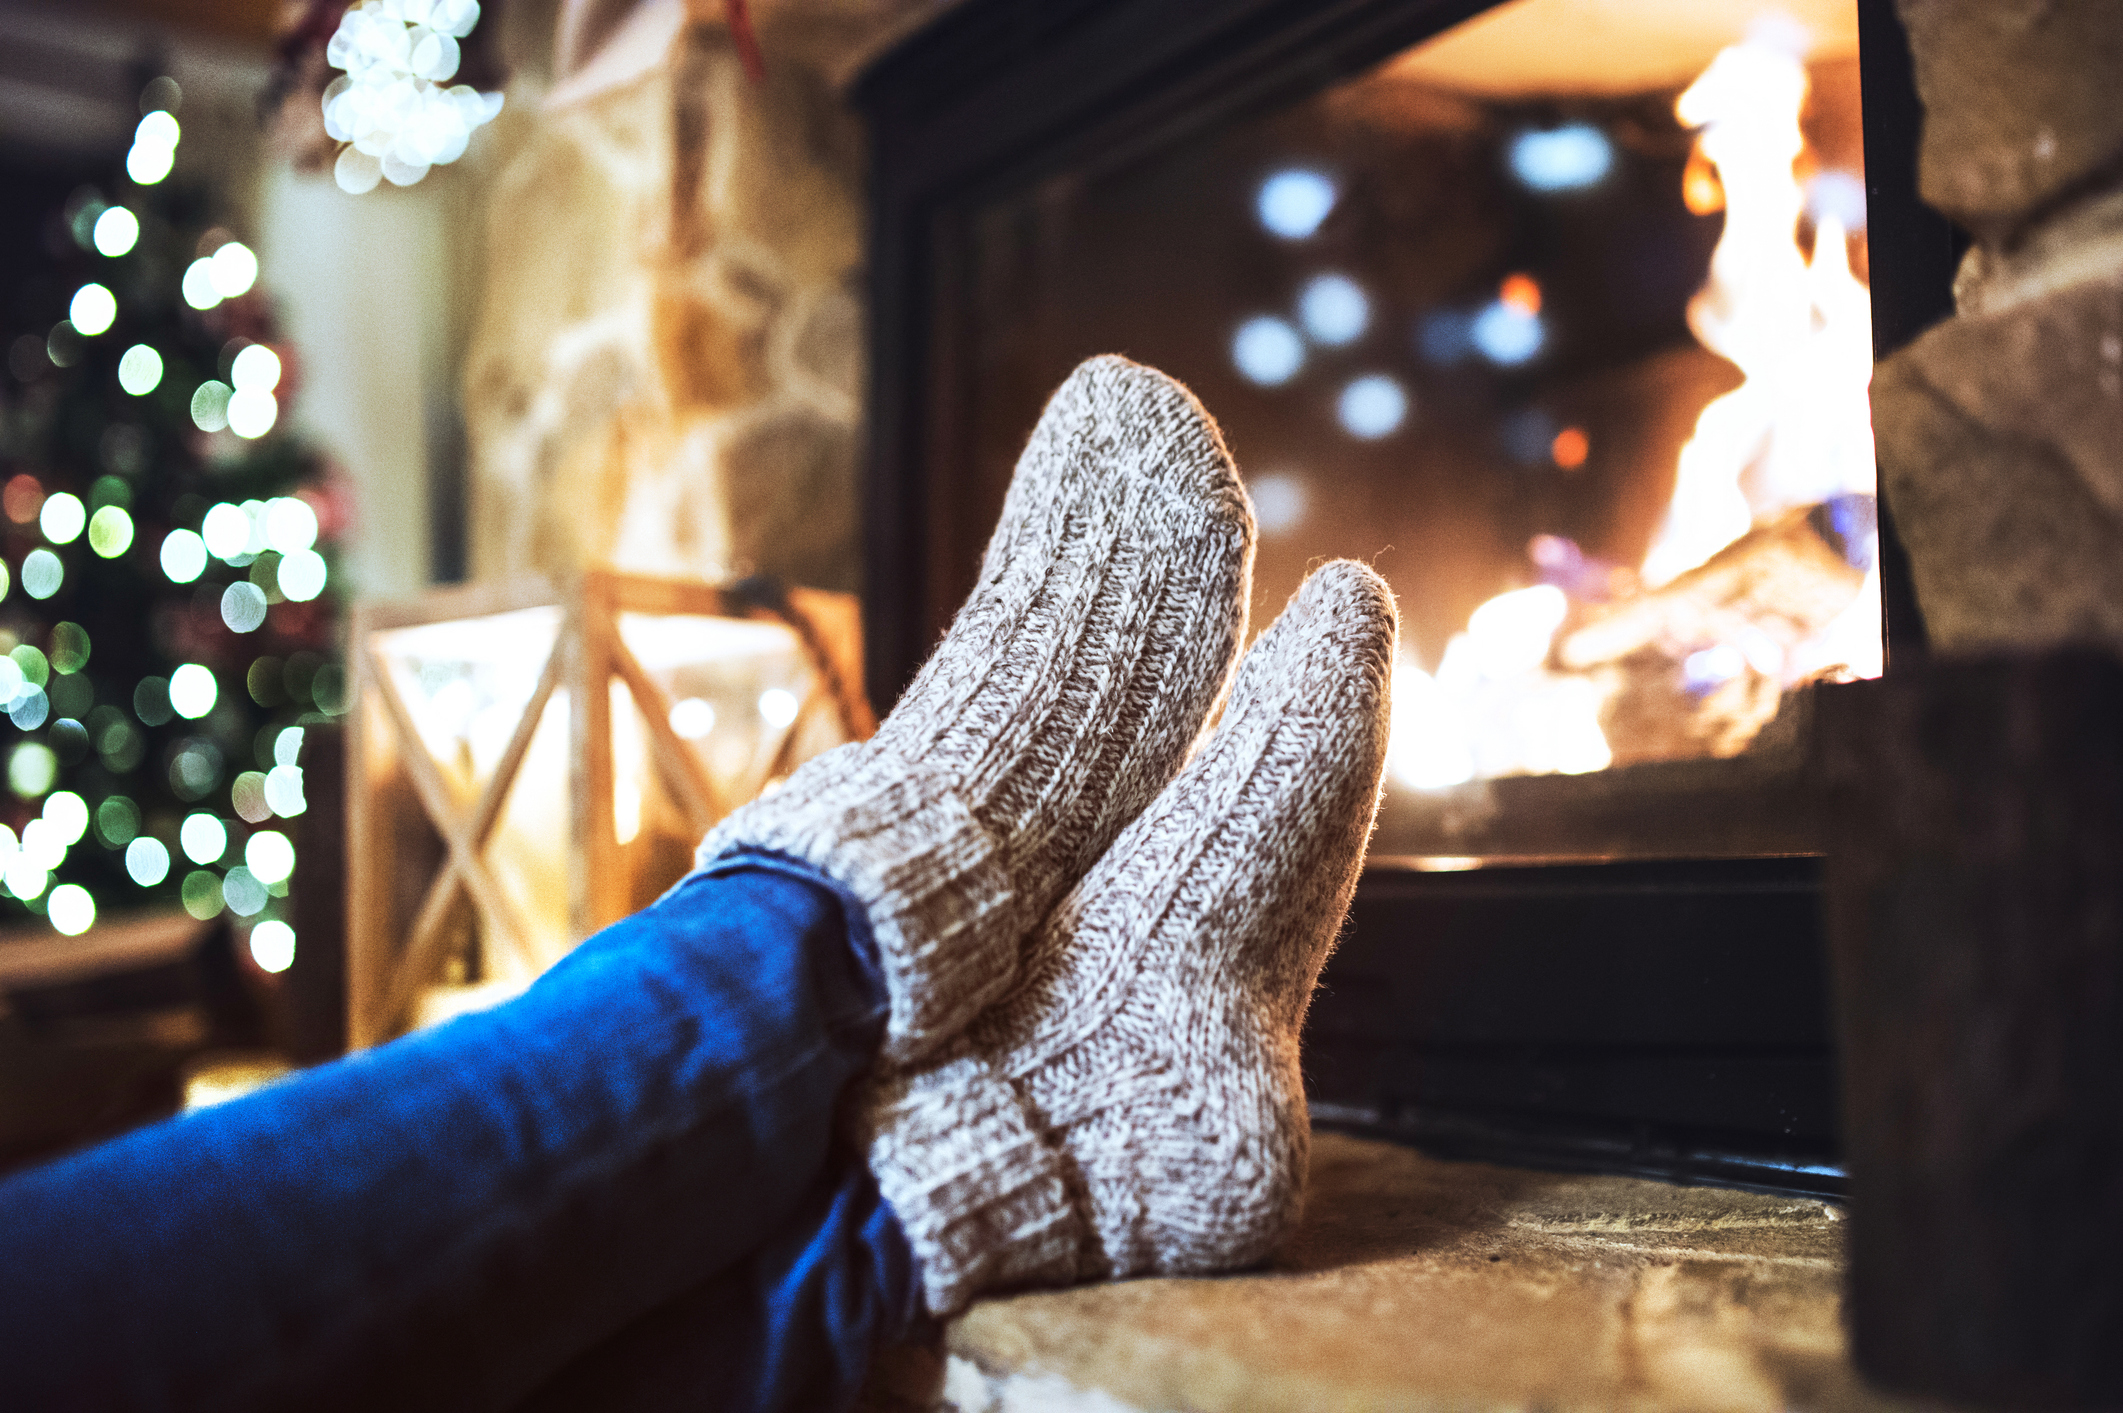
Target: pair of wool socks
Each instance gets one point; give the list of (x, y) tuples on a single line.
[(1099, 962)]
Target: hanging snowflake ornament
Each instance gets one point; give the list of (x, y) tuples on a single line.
[(390, 107)]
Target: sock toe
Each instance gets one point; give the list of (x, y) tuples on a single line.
[(1150, 424)]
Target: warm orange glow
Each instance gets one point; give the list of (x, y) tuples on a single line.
[(1701, 191), (1522, 292), (1570, 448)]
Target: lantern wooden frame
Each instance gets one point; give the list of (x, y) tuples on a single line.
[(386, 972)]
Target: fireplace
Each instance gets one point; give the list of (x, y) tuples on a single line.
[(1528, 306)]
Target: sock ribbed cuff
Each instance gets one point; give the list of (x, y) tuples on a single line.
[(941, 902), (984, 1200)]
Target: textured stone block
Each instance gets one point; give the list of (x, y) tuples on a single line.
[(2019, 103), (2000, 441), (665, 372)]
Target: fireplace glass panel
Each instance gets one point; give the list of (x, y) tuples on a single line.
[(1560, 321)]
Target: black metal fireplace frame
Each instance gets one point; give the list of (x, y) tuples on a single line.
[(1668, 1017)]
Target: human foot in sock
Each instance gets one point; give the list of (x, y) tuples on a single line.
[(1070, 687), (1135, 1105)]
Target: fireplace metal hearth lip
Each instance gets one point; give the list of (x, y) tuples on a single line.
[(993, 96)]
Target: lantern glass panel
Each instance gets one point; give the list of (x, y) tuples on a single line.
[(528, 852), (741, 695), (466, 684)]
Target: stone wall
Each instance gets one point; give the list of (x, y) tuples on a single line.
[(2000, 432), (666, 369)]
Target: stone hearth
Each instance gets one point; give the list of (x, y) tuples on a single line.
[(1419, 1283)]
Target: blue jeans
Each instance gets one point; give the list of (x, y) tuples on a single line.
[(623, 1189)]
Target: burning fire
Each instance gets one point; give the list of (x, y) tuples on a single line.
[(1523, 690)]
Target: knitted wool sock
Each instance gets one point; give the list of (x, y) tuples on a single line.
[(1110, 606), (1136, 1104)]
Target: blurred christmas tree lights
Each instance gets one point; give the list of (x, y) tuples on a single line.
[(166, 627)]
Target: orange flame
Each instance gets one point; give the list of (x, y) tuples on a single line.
[(1797, 431)]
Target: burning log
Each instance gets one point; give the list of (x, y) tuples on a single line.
[(1783, 581), (1702, 662)]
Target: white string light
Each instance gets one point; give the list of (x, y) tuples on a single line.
[(390, 106)]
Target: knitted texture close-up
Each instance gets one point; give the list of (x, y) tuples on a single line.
[(1135, 1104), (1099, 637)]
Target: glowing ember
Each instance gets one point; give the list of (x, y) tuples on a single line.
[(1763, 573)]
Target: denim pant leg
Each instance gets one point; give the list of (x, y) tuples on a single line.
[(790, 1327), (449, 1220)]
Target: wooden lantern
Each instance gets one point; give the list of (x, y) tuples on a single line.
[(529, 763)]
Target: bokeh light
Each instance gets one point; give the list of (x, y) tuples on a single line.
[(148, 165), (252, 412), (692, 719), (1371, 407), (1506, 334), (1334, 310), (62, 518), (290, 524), (71, 909), (198, 284), (302, 575), (117, 231), (147, 861), (273, 945), (1293, 203), (154, 149), (283, 791), (1278, 502), (92, 310), (210, 406), (193, 691), (269, 854), (70, 647), (256, 367), (234, 270), (183, 556), (110, 532), (201, 892), (243, 606), (43, 844), (67, 813), (28, 710), (31, 768), (42, 573), (226, 531), (203, 838), (118, 820), (22, 498), (24, 877), (777, 706), (140, 370), (244, 892), (1267, 351), (1568, 158)]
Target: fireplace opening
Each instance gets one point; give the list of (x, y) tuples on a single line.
[(1559, 320), (1561, 313)]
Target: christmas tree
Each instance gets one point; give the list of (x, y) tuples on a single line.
[(164, 608)]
